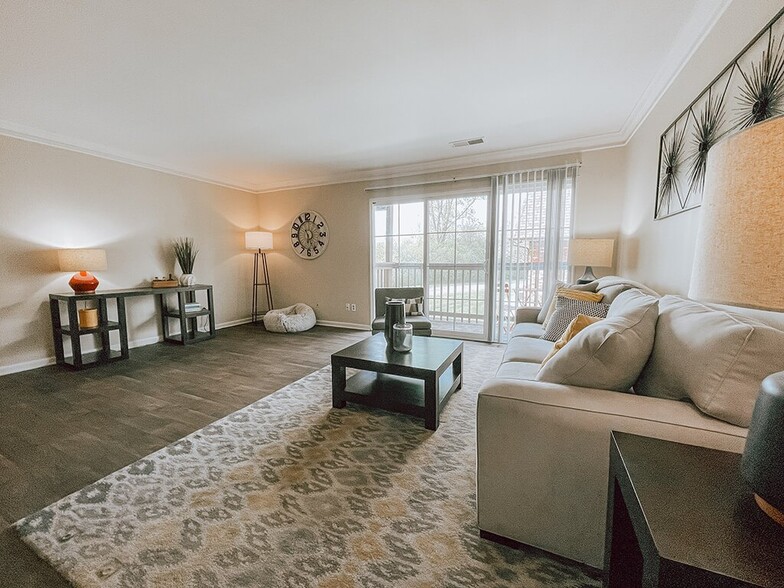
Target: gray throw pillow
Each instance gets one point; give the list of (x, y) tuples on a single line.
[(566, 310), (713, 358), (548, 301), (611, 353)]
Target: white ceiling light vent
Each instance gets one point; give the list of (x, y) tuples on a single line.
[(467, 142)]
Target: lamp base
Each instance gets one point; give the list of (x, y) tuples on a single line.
[(587, 276), (769, 509), (83, 283)]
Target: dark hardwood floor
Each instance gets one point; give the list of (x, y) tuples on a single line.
[(61, 430)]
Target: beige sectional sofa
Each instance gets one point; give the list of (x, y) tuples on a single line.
[(542, 448)]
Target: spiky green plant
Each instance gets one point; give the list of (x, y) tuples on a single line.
[(706, 132), (671, 161), (186, 253), (763, 88)]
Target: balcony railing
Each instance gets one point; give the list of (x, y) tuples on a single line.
[(455, 299)]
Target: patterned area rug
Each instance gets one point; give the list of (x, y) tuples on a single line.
[(290, 492)]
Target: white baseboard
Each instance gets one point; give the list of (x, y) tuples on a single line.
[(132, 344), (23, 366), (339, 325)]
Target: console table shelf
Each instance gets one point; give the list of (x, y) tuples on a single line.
[(188, 321)]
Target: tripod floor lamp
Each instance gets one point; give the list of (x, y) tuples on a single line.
[(260, 242)]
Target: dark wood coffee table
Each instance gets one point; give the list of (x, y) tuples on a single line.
[(417, 383)]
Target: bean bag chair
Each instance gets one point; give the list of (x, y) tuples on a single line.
[(292, 319)]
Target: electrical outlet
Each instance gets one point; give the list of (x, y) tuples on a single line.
[(353, 308), (348, 306)]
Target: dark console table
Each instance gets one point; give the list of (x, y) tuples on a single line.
[(189, 332), (680, 515)]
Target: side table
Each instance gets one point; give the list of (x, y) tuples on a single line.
[(680, 515)]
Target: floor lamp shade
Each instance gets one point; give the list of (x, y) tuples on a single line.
[(258, 240), (82, 261), (739, 256)]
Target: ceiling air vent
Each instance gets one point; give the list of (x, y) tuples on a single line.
[(467, 142)]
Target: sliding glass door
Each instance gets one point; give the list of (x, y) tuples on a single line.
[(439, 243), (479, 254)]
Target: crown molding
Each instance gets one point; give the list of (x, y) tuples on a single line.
[(686, 44), (590, 143), (25, 133)]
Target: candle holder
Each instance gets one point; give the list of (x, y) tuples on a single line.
[(402, 337)]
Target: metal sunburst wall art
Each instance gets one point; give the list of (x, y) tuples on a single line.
[(748, 91)]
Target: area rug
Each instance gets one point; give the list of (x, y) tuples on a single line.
[(290, 492)]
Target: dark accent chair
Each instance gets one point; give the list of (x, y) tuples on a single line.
[(421, 324)]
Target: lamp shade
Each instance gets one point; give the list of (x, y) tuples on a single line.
[(739, 256), (78, 260), (593, 252), (258, 240)]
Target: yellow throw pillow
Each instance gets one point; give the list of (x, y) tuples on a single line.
[(567, 292), (578, 324)]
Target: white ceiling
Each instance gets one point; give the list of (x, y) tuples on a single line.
[(267, 94)]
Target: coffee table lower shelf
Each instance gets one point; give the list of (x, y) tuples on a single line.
[(397, 393)]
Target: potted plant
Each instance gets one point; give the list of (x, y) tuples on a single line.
[(186, 253)]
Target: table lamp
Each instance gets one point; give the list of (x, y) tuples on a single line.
[(739, 260), (590, 252), (260, 242), (82, 261)]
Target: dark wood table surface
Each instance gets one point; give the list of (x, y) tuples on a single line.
[(680, 515), (418, 383)]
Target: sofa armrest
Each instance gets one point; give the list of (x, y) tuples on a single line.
[(543, 457), (527, 314)]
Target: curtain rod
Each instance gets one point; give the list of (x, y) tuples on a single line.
[(466, 178)]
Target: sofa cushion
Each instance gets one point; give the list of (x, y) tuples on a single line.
[(527, 349), (612, 286), (716, 359), (517, 370), (549, 300), (578, 324), (566, 309), (527, 330), (611, 353), (576, 291)]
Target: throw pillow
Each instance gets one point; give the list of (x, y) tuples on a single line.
[(714, 358), (566, 309), (578, 324), (576, 292), (413, 306), (549, 300), (611, 353)]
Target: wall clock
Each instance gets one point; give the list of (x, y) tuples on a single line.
[(309, 234)]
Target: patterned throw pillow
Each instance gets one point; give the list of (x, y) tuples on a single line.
[(566, 310), (576, 292), (414, 306)]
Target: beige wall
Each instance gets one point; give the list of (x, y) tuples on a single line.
[(660, 253), (342, 273), (52, 198)]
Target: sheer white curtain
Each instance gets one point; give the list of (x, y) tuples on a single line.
[(533, 228)]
